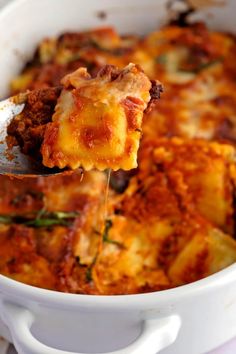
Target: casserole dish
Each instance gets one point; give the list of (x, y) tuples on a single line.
[(193, 318)]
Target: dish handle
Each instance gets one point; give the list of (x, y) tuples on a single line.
[(156, 334)]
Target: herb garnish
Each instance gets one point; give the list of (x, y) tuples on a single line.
[(161, 59), (41, 218), (4, 219), (105, 235), (202, 66), (105, 238), (90, 268)]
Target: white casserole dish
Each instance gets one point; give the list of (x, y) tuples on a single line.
[(194, 318)]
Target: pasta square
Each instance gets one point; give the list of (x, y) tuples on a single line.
[(97, 121)]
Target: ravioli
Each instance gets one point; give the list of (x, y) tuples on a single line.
[(97, 121), (205, 254)]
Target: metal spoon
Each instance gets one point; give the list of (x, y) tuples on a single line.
[(14, 162)]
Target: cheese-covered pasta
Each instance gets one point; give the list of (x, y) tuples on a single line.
[(97, 121)]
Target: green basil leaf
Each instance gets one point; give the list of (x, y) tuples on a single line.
[(4, 219)]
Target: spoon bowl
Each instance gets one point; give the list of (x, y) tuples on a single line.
[(12, 161)]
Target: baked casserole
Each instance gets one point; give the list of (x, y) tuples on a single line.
[(171, 220)]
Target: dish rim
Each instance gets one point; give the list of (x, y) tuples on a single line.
[(131, 301)]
